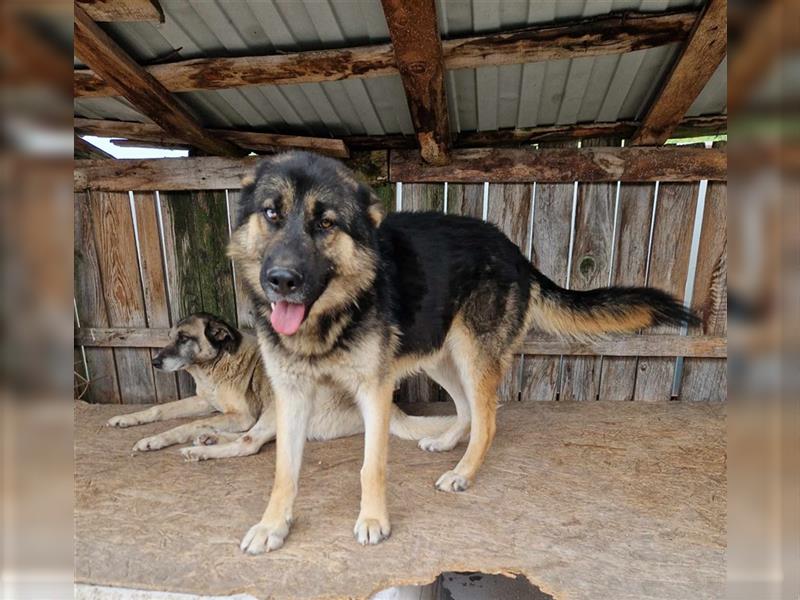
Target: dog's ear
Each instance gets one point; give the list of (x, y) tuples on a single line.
[(374, 206), (223, 336)]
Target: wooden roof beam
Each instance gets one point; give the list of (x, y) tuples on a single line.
[(598, 36), (701, 56), (83, 149), (122, 10), (113, 64), (255, 141), (418, 55)]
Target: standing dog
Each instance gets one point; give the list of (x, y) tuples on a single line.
[(230, 380), (350, 300)]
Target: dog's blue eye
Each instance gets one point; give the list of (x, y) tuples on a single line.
[(271, 214)]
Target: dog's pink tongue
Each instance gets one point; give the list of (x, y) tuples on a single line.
[(287, 317)]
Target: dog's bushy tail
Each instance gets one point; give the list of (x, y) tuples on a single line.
[(604, 310), (408, 427)]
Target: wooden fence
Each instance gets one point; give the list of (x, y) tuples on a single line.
[(143, 259)]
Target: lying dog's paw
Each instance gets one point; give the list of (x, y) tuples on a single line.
[(206, 439), (438, 444), (194, 454), (452, 482), (372, 531), (123, 421), (264, 538), (150, 443)]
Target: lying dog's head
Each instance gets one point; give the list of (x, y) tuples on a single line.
[(305, 239), (197, 339)]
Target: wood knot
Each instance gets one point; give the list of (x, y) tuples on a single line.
[(587, 266)]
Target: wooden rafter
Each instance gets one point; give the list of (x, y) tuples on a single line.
[(418, 55), (122, 10), (111, 62), (524, 165), (701, 56), (258, 142), (142, 134), (611, 34)]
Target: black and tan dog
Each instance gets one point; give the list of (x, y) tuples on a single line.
[(348, 299), (230, 380)]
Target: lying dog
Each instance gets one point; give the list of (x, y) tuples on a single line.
[(347, 299), (230, 379)]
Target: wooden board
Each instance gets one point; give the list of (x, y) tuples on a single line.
[(669, 265), (510, 209), (552, 220), (707, 379), (91, 305), (154, 283), (122, 289), (591, 265), (607, 34), (524, 165), (422, 197), (699, 59), (641, 488), (245, 317), (635, 214), (465, 200), (198, 271), (123, 10)]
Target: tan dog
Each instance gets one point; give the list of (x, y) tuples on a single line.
[(230, 380)]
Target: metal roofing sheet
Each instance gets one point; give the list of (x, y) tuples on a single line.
[(606, 88)]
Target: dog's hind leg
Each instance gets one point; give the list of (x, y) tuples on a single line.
[(243, 445), (195, 406), (480, 376), (446, 374)]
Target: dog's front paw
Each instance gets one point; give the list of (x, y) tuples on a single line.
[(123, 421), (263, 537), (452, 482), (150, 443), (372, 530)]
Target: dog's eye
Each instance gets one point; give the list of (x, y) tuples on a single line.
[(326, 224), (272, 215), (181, 338)]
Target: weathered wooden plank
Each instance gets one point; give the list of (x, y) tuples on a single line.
[(634, 217), (510, 209), (607, 34), (91, 306), (195, 173), (96, 48), (198, 270), (122, 10), (465, 200), (702, 54), (144, 134), (707, 379), (245, 316), (523, 165), (250, 140), (633, 345), (154, 285), (122, 289), (418, 198), (669, 265), (552, 219), (629, 345), (417, 48), (591, 265)]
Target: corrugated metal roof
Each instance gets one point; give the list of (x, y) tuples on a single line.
[(606, 88)]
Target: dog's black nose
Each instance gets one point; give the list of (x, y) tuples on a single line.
[(284, 281), (157, 362)]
